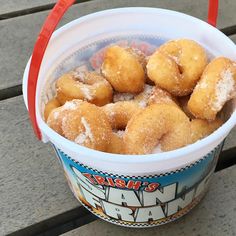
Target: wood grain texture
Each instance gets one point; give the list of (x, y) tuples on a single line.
[(32, 183), (16, 5), (19, 34)]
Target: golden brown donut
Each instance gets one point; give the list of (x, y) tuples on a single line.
[(202, 128), (159, 96), (55, 118), (87, 126), (116, 145), (51, 105), (139, 55), (216, 87), (177, 66), (123, 70), (88, 86), (120, 113), (162, 124), (62, 98)]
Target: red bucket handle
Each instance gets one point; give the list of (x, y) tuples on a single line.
[(213, 12), (41, 44), (39, 49)]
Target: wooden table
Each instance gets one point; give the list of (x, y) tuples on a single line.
[(34, 196)]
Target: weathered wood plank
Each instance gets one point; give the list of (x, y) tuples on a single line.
[(215, 215), (16, 5), (20, 33), (32, 184)]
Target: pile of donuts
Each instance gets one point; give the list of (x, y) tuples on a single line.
[(140, 105)]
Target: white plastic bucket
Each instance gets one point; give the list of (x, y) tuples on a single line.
[(131, 190)]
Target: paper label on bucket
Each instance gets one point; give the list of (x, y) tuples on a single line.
[(140, 201)]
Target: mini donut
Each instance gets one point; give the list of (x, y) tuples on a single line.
[(159, 96), (55, 118), (202, 128), (216, 86), (116, 144), (123, 70), (51, 105), (177, 66), (143, 61), (120, 113), (85, 85), (158, 124), (62, 98), (87, 126), (139, 55)]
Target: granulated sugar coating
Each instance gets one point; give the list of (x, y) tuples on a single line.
[(87, 93), (87, 134), (225, 89), (117, 97), (81, 138), (120, 113), (91, 87), (216, 86), (88, 131), (120, 133), (71, 105)]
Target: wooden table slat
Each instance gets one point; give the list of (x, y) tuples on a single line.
[(16, 5), (20, 33), (32, 184)]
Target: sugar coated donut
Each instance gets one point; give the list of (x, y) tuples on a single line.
[(159, 96), (116, 144), (177, 66), (62, 98), (87, 126), (139, 55), (120, 113), (88, 86), (55, 118), (162, 124), (123, 70), (202, 128), (51, 105), (216, 86)]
